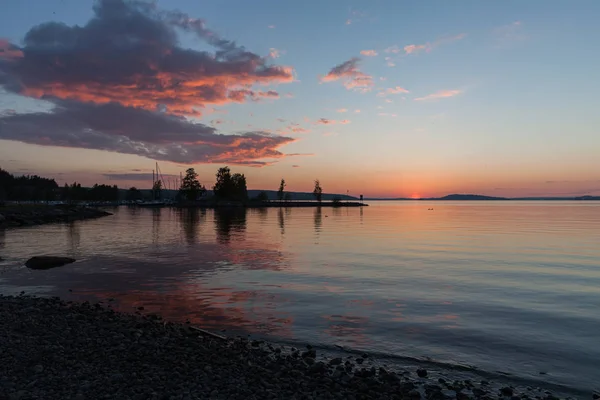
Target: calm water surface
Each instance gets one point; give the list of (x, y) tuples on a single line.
[(509, 287)]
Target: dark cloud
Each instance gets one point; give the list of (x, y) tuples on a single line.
[(130, 130), (134, 177), (128, 53), (349, 73), (122, 83)]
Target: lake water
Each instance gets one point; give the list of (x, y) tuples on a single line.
[(506, 287)]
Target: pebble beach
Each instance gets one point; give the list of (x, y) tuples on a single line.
[(55, 349)]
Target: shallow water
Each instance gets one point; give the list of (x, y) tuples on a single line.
[(512, 287)]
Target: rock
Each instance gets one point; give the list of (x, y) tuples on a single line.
[(309, 354), (47, 262), (596, 396), (506, 391), (422, 373), (2, 218), (335, 361), (38, 369)]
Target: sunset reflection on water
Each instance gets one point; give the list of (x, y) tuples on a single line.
[(510, 286)]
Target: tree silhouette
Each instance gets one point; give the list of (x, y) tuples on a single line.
[(230, 187), (191, 188), (240, 189), (318, 192), (281, 189)]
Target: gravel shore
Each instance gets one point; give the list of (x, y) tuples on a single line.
[(52, 349), (29, 215)]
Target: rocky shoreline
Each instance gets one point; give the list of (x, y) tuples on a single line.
[(29, 215), (52, 349)]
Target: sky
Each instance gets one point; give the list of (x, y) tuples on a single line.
[(380, 98)]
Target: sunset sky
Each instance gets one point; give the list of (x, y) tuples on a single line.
[(381, 98)]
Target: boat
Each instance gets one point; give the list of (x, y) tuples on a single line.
[(156, 202), (152, 204)]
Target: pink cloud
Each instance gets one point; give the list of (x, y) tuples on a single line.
[(296, 128), (349, 73), (271, 26), (416, 48), (357, 111), (9, 51), (368, 53), (274, 53), (295, 166), (326, 121), (342, 110), (397, 90), (440, 95), (386, 114), (413, 48)]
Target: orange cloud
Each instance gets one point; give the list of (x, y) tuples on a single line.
[(357, 111), (349, 73), (440, 95), (342, 110), (132, 96), (368, 53), (149, 71)]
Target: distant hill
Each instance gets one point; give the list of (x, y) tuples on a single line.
[(478, 197), (467, 197), (448, 197)]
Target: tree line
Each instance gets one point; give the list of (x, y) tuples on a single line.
[(26, 187), (232, 187), (228, 186)]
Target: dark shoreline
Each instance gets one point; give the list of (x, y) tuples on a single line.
[(55, 349), (39, 214), (273, 204)]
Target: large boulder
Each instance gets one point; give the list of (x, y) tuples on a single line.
[(47, 262), (2, 218)]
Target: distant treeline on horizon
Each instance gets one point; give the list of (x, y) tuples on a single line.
[(37, 188)]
